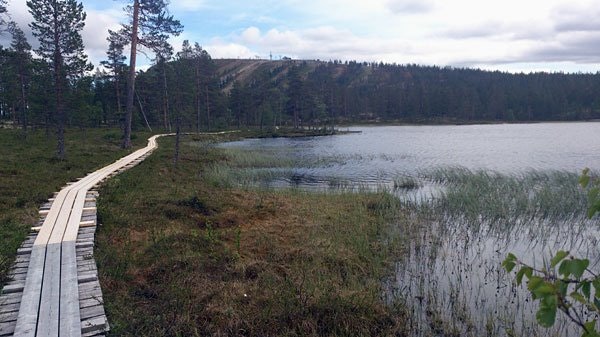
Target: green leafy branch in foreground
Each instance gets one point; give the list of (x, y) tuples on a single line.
[(566, 284)]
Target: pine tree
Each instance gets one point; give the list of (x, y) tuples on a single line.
[(163, 55), (22, 65), (57, 25), (116, 64), (2, 14), (150, 26)]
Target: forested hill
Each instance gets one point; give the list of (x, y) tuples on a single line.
[(213, 94), (364, 91), (304, 93)]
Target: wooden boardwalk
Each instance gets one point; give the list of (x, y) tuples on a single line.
[(54, 289)]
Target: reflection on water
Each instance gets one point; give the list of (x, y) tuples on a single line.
[(452, 280)]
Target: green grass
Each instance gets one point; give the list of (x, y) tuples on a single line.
[(487, 196), (30, 173), (180, 255)]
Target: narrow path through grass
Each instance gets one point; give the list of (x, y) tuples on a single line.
[(30, 173)]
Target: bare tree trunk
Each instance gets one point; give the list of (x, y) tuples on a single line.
[(58, 89), (198, 95), (131, 79), (142, 111), (118, 93), (207, 110), (177, 139), (165, 98), (23, 100)]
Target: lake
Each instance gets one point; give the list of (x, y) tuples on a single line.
[(378, 154), (477, 192)]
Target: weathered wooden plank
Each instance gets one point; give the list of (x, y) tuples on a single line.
[(88, 287), (30, 302), (70, 321), (91, 312), (9, 299), (85, 251), (50, 300), (90, 294), (85, 270), (85, 235), (18, 277), (75, 218), (17, 270), (90, 302), (23, 251), (87, 230), (7, 329), (86, 263), (8, 316), (22, 259), (51, 218), (88, 244), (89, 223), (58, 232), (11, 307), (94, 324), (87, 277), (95, 333)]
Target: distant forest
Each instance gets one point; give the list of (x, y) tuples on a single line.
[(207, 94)]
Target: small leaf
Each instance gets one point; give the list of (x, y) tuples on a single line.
[(546, 315), (536, 282), (562, 287), (509, 265), (565, 268), (560, 255), (578, 267), (525, 271), (544, 290)]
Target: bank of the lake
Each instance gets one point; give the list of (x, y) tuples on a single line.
[(182, 255)]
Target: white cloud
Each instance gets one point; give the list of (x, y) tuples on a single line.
[(95, 32), (409, 6), (459, 32), (220, 49)]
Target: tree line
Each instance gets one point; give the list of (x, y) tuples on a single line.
[(189, 90)]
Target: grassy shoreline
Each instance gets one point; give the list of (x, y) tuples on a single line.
[(179, 256)]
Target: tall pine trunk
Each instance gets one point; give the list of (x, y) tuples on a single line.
[(118, 93), (207, 110), (198, 96), (24, 121), (131, 78), (58, 90), (165, 97), (177, 139)]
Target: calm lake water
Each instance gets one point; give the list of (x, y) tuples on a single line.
[(378, 154), (451, 280)]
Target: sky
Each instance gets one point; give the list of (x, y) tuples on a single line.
[(506, 35)]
